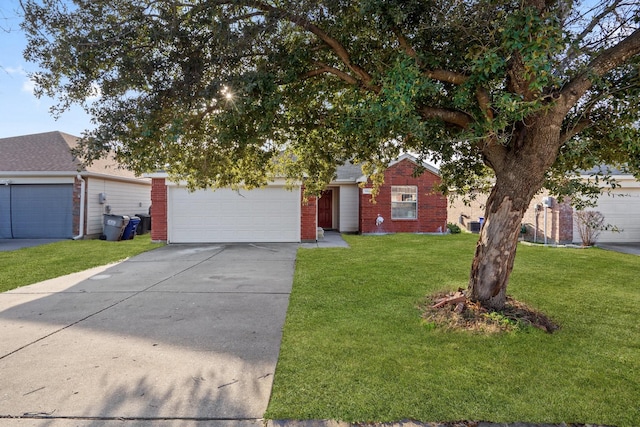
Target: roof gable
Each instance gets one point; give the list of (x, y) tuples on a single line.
[(415, 161), (51, 152), (38, 153), (350, 172)]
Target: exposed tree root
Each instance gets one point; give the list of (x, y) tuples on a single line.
[(453, 311)]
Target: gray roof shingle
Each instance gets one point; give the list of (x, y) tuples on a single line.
[(50, 152), (39, 152)]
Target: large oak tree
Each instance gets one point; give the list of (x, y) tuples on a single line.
[(214, 91)]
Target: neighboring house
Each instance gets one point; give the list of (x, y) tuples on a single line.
[(46, 193), (545, 217), (277, 213), (620, 207)]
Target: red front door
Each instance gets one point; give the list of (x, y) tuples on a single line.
[(325, 210)]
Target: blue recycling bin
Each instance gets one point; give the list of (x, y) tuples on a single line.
[(130, 230)]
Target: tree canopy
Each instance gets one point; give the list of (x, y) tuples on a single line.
[(213, 91), (223, 93)]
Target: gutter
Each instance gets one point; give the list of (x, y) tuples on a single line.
[(82, 203)]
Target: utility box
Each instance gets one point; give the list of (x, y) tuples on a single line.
[(114, 226), (473, 226)]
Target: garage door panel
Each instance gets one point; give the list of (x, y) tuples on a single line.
[(621, 209), (36, 211), (263, 215)]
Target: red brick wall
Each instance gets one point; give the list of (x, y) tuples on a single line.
[(432, 206), (308, 227), (158, 209), (77, 188)]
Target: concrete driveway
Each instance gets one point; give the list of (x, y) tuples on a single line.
[(625, 248), (184, 335)]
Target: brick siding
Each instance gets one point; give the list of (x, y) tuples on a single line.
[(77, 188), (308, 210), (432, 206), (559, 218), (159, 210)]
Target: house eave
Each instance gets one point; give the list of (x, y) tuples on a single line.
[(5, 175)]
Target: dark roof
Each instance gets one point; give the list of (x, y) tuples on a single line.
[(50, 152), (348, 171)]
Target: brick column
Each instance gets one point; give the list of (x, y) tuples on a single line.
[(158, 209), (77, 188), (565, 222), (308, 217)]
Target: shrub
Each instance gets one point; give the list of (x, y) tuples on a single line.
[(590, 224), (453, 228)]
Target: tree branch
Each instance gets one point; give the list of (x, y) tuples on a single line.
[(456, 118), (608, 60), (567, 134), (331, 70), (334, 44), (482, 95)]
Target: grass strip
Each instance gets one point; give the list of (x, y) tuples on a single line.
[(31, 265)]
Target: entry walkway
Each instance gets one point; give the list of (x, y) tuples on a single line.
[(331, 239)]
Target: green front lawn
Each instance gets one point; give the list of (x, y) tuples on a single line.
[(356, 349), (30, 265)]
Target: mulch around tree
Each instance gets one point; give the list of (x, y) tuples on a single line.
[(452, 310)]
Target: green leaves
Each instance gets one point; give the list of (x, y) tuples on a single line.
[(327, 82)]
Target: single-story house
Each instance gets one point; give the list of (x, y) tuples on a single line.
[(277, 213), (46, 193), (549, 217)]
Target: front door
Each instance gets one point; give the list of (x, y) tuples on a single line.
[(325, 210)]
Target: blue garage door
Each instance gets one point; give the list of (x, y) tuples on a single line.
[(36, 211)]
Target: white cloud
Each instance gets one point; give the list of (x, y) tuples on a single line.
[(28, 86)]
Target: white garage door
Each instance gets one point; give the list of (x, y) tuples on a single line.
[(622, 209), (270, 214)]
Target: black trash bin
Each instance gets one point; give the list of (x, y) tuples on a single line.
[(144, 226), (114, 226)]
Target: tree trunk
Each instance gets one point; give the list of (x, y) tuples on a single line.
[(495, 250), (520, 170)]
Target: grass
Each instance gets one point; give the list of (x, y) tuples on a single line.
[(30, 265), (355, 348)]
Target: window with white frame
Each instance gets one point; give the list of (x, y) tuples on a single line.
[(404, 202)]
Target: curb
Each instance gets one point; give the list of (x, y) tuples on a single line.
[(409, 423)]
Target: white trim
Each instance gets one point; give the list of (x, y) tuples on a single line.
[(39, 175), (278, 182)]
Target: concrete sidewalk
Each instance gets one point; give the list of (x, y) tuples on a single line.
[(184, 335)]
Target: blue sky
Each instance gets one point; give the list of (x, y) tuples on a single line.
[(21, 113)]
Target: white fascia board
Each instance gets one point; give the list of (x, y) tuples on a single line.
[(23, 177), (141, 180), (345, 181), (278, 182), (158, 174)]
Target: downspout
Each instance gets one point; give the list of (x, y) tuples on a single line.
[(82, 203)]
